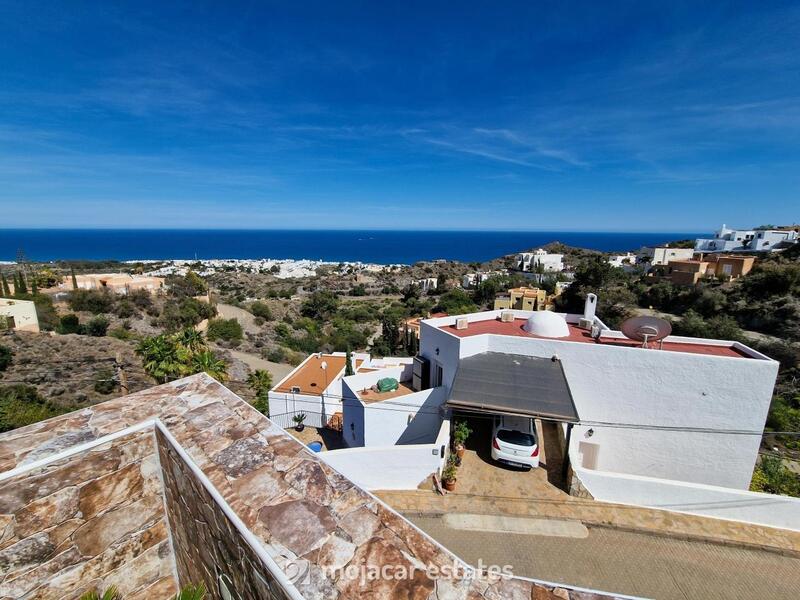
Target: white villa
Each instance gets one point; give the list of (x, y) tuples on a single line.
[(530, 261), (747, 240)]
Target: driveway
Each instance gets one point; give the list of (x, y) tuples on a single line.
[(614, 560), (246, 319), (278, 370), (479, 475)]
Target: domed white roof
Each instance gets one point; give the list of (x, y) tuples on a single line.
[(547, 324)]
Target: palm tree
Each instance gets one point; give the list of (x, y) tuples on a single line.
[(161, 358), (192, 592), (191, 339), (110, 594), (206, 362), (260, 381)]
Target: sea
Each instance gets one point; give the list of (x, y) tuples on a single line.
[(379, 247)]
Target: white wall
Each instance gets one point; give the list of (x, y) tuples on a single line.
[(409, 419), (703, 500), (23, 312), (645, 387), (390, 467)]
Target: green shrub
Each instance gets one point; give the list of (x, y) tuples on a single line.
[(358, 290), (121, 333), (773, 477), (22, 405), (262, 310), (69, 324), (96, 326), (141, 299), (6, 356), (276, 355), (320, 305), (93, 301), (125, 309), (185, 313), (224, 329)]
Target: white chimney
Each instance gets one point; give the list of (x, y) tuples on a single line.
[(590, 307)]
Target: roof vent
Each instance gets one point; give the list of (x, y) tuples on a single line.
[(507, 317), (547, 324), (462, 323)]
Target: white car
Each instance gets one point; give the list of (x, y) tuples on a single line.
[(514, 442)]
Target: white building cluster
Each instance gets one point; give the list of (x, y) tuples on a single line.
[(676, 422), (747, 240)]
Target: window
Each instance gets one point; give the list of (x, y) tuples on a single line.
[(437, 375)]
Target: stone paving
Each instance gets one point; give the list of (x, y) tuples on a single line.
[(630, 563), (486, 488)]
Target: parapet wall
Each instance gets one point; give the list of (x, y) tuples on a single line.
[(208, 546)]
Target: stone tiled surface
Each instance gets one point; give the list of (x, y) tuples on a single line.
[(301, 512), (86, 522)]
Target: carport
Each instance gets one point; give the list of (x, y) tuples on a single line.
[(497, 383)]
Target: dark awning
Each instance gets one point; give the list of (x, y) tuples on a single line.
[(498, 383)]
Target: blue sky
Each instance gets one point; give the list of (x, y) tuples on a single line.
[(662, 116)]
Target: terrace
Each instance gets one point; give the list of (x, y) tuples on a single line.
[(490, 324)]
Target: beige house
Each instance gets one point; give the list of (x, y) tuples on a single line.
[(522, 298), (690, 272), (119, 283), (18, 314)]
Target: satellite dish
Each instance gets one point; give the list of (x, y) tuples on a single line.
[(646, 329)]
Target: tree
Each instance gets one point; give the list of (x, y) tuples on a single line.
[(191, 339), (260, 381), (348, 367), (170, 356), (455, 302), (6, 356), (22, 289), (34, 287), (161, 358), (69, 324), (390, 334), (188, 312), (206, 362), (6, 288), (189, 285), (321, 305), (74, 279)]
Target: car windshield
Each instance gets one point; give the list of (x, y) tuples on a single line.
[(511, 436)]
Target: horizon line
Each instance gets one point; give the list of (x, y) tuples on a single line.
[(328, 229)]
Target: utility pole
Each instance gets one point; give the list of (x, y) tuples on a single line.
[(122, 377)]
